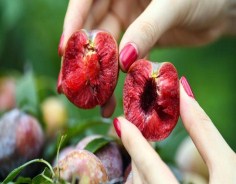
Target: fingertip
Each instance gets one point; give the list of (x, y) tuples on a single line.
[(116, 124), (129, 133), (122, 125), (198, 124), (109, 107), (187, 98), (76, 15), (142, 154), (186, 86), (128, 56)]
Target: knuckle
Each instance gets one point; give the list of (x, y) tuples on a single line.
[(149, 30)]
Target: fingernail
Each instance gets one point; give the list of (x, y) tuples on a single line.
[(186, 87), (128, 55), (116, 124), (60, 45)]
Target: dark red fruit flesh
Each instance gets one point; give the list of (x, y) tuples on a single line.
[(151, 98), (89, 70)]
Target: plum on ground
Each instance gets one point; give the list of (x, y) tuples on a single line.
[(81, 166), (21, 139), (109, 155)]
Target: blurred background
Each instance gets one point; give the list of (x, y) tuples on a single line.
[(29, 37)]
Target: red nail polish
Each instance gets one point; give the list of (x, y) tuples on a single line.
[(116, 124), (186, 86), (60, 45), (128, 55)]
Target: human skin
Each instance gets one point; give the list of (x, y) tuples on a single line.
[(155, 23), (218, 156), (161, 23)]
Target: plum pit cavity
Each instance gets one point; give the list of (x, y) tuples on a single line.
[(149, 96)]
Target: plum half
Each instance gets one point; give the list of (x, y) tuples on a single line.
[(151, 98), (89, 69)]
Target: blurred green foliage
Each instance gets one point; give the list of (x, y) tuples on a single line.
[(29, 36)]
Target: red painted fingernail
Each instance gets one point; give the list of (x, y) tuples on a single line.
[(186, 86), (116, 124), (128, 55), (60, 53)]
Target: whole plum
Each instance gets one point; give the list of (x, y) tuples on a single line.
[(21, 139)]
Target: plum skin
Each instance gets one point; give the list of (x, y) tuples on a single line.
[(21, 140), (89, 69), (151, 98), (109, 155), (83, 165)]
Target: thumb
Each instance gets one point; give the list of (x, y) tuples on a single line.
[(144, 32), (148, 164)]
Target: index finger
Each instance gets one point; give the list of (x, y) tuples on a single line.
[(211, 145), (76, 14)]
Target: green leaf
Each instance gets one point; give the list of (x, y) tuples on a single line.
[(98, 143), (82, 126), (21, 180), (47, 172), (45, 177), (73, 131), (42, 179), (26, 93), (17, 170), (62, 139)]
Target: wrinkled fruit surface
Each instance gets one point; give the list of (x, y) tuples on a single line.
[(151, 98), (84, 166), (109, 155), (21, 139), (89, 70)]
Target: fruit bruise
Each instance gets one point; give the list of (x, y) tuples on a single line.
[(89, 68), (151, 98)]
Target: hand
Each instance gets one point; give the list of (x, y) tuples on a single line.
[(148, 23), (148, 167), (172, 23)]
